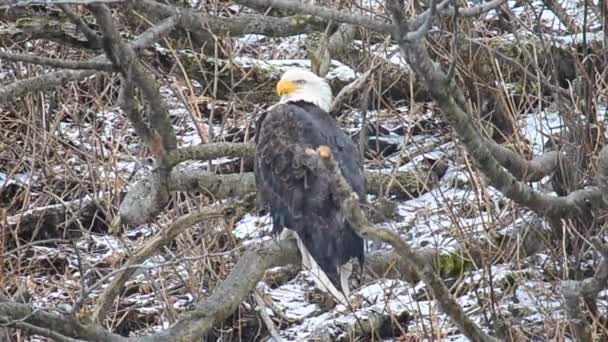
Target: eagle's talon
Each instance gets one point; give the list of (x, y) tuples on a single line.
[(324, 151)]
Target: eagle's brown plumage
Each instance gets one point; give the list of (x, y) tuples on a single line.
[(297, 192)]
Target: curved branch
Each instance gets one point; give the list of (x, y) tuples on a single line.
[(232, 26), (447, 96), (63, 325), (349, 203), (124, 57), (56, 63), (210, 151), (322, 12), (226, 298), (166, 236), (56, 79)]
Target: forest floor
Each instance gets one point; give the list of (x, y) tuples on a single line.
[(100, 155)]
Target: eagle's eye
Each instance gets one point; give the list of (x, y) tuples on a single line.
[(299, 82)]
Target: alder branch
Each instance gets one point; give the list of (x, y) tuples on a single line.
[(350, 89), (474, 11), (57, 63), (563, 16), (89, 33), (193, 21), (586, 291), (126, 100), (152, 246), (322, 12), (449, 98), (52, 80), (124, 57), (576, 293), (246, 274), (39, 321), (227, 296), (366, 21), (141, 204), (22, 3), (349, 204), (210, 151), (426, 24)]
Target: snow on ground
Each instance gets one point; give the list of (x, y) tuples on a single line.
[(440, 218)]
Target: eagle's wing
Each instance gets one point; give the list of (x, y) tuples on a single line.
[(296, 190)]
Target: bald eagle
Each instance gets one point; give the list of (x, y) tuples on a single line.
[(298, 193)]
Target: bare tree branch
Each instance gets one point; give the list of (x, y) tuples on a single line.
[(4, 4), (351, 88), (82, 26), (194, 21), (40, 320), (124, 57), (323, 12), (450, 99), (349, 204), (210, 151), (126, 100), (226, 298), (426, 25), (113, 290), (55, 79), (57, 63)]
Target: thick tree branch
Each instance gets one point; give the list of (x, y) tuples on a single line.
[(67, 326), (349, 204), (210, 151), (91, 35), (323, 12), (141, 204), (193, 21), (366, 21), (113, 290), (226, 298), (55, 79), (125, 58), (576, 293), (450, 100), (57, 63), (22, 3)]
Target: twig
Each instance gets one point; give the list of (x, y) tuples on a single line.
[(124, 57), (22, 3), (426, 25), (83, 287), (55, 79), (351, 88), (364, 105), (322, 12), (89, 33), (166, 236), (261, 310), (57, 63)]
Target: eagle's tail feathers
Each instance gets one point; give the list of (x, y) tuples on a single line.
[(345, 271), (320, 278)]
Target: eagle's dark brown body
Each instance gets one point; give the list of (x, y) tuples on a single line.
[(297, 192)]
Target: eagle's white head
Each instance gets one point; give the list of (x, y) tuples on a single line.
[(301, 84)]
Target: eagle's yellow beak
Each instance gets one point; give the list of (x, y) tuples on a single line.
[(286, 87)]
